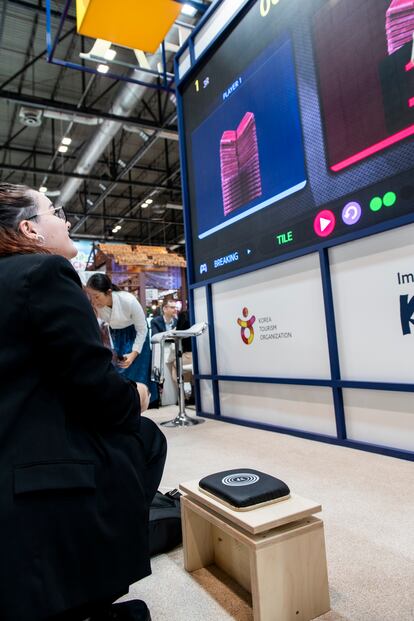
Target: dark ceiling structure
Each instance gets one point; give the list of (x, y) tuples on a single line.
[(121, 164)]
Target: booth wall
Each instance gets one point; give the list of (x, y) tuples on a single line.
[(329, 358), (331, 352)]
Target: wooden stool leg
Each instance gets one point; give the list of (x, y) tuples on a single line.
[(197, 539), (289, 578)]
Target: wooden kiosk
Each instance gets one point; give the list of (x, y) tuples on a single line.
[(276, 552)]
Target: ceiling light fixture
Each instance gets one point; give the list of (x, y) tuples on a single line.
[(143, 135), (110, 54), (62, 148), (43, 189), (103, 68), (188, 10), (149, 201), (66, 141)]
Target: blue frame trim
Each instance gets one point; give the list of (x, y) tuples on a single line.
[(335, 383), (330, 383), (51, 50), (195, 354), (213, 354), (352, 444), (332, 342), (51, 44), (267, 380)]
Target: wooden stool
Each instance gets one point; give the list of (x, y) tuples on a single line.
[(276, 552)]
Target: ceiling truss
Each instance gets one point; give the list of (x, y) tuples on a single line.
[(40, 104)]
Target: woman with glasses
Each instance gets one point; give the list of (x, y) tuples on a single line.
[(78, 465)]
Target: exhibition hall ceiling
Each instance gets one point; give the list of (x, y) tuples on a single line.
[(111, 167)]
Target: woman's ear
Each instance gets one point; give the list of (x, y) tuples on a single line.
[(27, 229)]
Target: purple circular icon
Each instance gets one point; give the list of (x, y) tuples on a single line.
[(351, 213)]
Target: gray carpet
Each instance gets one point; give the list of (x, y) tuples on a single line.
[(368, 511)]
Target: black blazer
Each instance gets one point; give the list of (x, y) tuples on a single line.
[(158, 324), (73, 516)]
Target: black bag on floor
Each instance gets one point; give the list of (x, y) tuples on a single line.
[(165, 522)]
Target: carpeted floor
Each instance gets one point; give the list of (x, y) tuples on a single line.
[(368, 511)]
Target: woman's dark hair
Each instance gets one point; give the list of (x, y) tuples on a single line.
[(101, 282), (17, 203)]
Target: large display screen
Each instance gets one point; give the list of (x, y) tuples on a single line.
[(299, 127)]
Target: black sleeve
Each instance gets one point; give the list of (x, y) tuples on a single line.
[(67, 333)]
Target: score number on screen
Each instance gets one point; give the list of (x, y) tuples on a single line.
[(205, 83)]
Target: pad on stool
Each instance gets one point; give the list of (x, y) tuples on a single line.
[(244, 488)]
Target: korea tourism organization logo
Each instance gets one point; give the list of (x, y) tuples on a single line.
[(246, 327)]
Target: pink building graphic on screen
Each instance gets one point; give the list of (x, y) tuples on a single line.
[(240, 167), (399, 24)]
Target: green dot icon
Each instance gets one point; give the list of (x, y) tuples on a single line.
[(389, 199), (376, 203)]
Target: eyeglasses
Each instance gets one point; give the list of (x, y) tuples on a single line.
[(59, 212)]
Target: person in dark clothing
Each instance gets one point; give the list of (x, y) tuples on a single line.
[(167, 320), (183, 323), (78, 465)]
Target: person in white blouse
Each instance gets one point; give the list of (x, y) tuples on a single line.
[(129, 331)]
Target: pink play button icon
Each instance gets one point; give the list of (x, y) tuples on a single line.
[(324, 223)]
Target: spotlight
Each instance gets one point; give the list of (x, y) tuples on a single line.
[(188, 10), (143, 135), (62, 148), (110, 54), (66, 140), (43, 189), (103, 68)]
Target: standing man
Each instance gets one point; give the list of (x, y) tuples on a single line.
[(167, 321), (168, 318)]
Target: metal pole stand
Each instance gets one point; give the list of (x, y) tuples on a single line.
[(182, 419)]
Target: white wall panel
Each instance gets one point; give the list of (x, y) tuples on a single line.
[(308, 408), (203, 344), (206, 396), (184, 63), (380, 417), (290, 338), (368, 278), (215, 24)]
